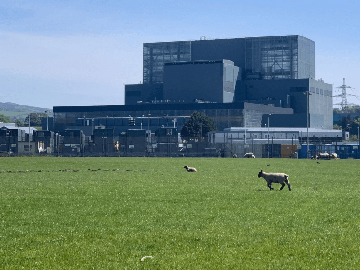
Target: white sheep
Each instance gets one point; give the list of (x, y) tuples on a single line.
[(249, 155), (280, 178), (190, 169), (323, 156)]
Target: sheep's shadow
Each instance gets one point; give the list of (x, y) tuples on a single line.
[(268, 190)]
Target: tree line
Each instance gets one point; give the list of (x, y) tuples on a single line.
[(348, 123), (347, 110), (351, 125), (35, 120)]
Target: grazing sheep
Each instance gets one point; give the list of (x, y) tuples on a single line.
[(249, 155), (190, 169), (280, 178), (323, 156)]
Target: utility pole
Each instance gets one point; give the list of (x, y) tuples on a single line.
[(358, 142), (307, 122), (269, 135), (47, 120), (29, 133)]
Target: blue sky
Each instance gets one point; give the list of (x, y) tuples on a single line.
[(69, 53)]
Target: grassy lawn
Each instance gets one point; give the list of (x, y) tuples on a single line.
[(108, 213)]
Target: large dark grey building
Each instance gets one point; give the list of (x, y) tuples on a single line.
[(274, 57), (278, 71), (241, 82)]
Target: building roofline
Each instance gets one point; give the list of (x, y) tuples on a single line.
[(279, 129), (159, 42), (150, 106)]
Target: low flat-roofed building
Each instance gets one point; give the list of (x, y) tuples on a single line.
[(279, 135), (154, 116)]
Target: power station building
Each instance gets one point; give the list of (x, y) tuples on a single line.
[(240, 82)]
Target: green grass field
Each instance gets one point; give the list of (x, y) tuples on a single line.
[(17, 115), (108, 213)]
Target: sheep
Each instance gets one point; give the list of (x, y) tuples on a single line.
[(323, 156), (249, 155), (190, 169), (275, 178)]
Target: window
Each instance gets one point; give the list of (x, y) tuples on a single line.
[(26, 147), (298, 89)]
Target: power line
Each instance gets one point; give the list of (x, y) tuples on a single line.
[(344, 103)]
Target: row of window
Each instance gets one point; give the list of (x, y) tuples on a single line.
[(320, 91), (262, 135)]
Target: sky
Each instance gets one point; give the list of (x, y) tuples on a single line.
[(81, 53)]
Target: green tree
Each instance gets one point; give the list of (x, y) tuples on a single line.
[(351, 125), (345, 122), (5, 119), (347, 109), (353, 138), (35, 119), (336, 110), (198, 125), (19, 123)]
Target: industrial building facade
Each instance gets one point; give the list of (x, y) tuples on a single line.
[(154, 116), (277, 70), (273, 57), (241, 82)]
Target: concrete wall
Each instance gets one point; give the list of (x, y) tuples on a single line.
[(321, 102), (306, 58)]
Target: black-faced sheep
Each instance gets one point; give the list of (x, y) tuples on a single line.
[(280, 178), (190, 169)]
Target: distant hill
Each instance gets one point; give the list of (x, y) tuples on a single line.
[(16, 111)]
